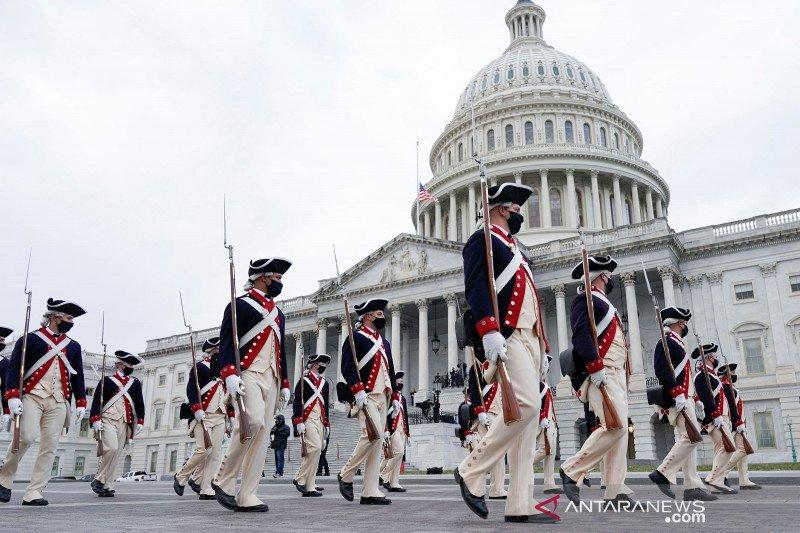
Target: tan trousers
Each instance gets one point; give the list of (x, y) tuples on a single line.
[(114, 434), (390, 468), (43, 418), (549, 460), (314, 437), (678, 455), (203, 463), (366, 451), (610, 446), (497, 474), (721, 457), (261, 394), (516, 439), (738, 460)]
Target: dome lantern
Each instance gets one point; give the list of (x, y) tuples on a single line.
[(524, 22)]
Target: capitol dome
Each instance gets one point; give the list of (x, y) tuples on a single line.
[(544, 119)]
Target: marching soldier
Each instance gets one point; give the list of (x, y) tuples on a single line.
[(263, 384), (116, 419), (516, 340), (310, 419), (607, 368), (209, 412), (397, 434), (736, 408), (372, 385), (53, 376), (678, 388), (5, 414), (547, 430), (710, 402)]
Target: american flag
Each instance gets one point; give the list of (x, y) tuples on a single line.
[(425, 195)]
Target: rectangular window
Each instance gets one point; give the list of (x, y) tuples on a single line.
[(80, 462), (84, 431), (159, 415), (744, 291), (753, 355), (176, 416), (153, 462), (794, 283), (181, 377), (173, 460), (54, 468), (162, 380), (765, 430)]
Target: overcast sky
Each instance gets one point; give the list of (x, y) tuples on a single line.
[(122, 124)]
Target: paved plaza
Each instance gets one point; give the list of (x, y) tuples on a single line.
[(429, 505)]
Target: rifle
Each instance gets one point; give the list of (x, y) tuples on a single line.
[(748, 448), (372, 431), (206, 437), (17, 418), (244, 420), (691, 430), (303, 448), (727, 443), (99, 434), (511, 410), (609, 413)]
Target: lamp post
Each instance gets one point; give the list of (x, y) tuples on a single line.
[(791, 441)]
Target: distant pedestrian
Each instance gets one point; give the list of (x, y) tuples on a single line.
[(278, 436)]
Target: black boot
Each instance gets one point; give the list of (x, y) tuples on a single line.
[(662, 483), (5, 494), (476, 504), (571, 489), (300, 488), (97, 487), (177, 487), (375, 500), (194, 485), (345, 488), (38, 502), (224, 499)]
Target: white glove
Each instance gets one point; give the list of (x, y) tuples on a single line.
[(15, 406), (301, 428), (284, 398), (680, 402), (719, 422), (386, 436), (494, 344), (598, 378), (199, 415), (234, 385), (740, 429), (4, 418), (470, 439), (544, 423), (361, 398), (483, 419), (699, 410), (97, 425), (79, 412)]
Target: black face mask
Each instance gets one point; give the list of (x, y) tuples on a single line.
[(127, 371), (515, 223), (379, 323), (274, 288), (715, 364), (64, 326), (321, 368), (609, 286), (399, 386), (684, 331)]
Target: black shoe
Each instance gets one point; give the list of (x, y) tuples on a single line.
[(476, 504), (750, 487), (727, 483), (5, 494), (345, 488), (587, 482), (97, 487), (619, 498), (262, 508), (571, 489), (698, 494), (721, 489), (542, 518), (224, 499), (498, 497), (662, 483), (523, 519), (395, 489), (300, 488), (602, 487), (311, 494), (107, 494), (207, 497), (382, 483), (194, 485), (38, 502), (177, 487), (375, 500), (552, 491)]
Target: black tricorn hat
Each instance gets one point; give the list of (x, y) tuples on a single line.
[(725, 368), (210, 343), (271, 265), (63, 306), (126, 357), (708, 349), (374, 304), (399, 374), (5, 332), (321, 358), (675, 313), (597, 263), (509, 193)]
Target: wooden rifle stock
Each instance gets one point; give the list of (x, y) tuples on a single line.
[(387, 449), (748, 448), (303, 447), (609, 412), (511, 410), (547, 450)]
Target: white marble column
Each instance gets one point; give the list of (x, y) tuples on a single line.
[(648, 201), (618, 202), (570, 220), (659, 208), (544, 194), (396, 311), (561, 316), (298, 355), (464, 221), (636, 215), (426, 223), (322, 335), (452, 344), (525, 208), (774, 295), (471, 210), (452, 233), (634, 335), (666, 274), (596, 209), (437, 220), (422, 372), (608, 207)]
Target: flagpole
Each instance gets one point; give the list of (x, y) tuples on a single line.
[(416, 193)]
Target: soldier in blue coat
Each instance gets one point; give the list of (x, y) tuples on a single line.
[(53, 376), (6, 413), (263, 384), (516, 336)]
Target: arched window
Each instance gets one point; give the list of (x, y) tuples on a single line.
[(579, 208), (540, 69), (529, 132), (460, 152), (603, 140), (616, 141), (556, 72), (587, 133), (484, 82), (449, 159), (628, 213), (548, 131), (525, 70), (509, 135), (583, 77), (472, 91), (510, 72), (536, 219), (490, 140), (570, 73), (459, 229), (556, 218), (570, 136), (496, 77)]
